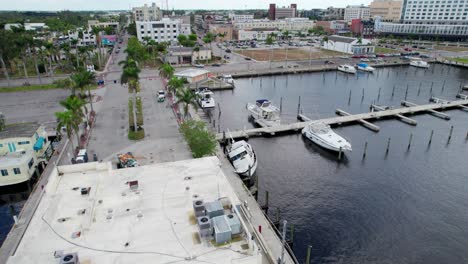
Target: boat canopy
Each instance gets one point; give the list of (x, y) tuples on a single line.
[(39, 143), (263, 102), (363, 65)]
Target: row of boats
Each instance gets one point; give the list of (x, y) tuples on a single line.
[(416, 62), (243, 157)]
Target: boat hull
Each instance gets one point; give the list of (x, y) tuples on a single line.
[(367, 69), (347, 71), (317, 140), (252, 170)]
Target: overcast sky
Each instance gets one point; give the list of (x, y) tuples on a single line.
[(45, 5)]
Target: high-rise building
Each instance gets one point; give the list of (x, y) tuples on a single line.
[(334, 13), (282, 12), (387, 10), (442, 12), (164, 30), (355, 12), (147, 13)]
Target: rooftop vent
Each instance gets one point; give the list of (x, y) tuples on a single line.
[(199, 207), (133, 185), (214, 209), (85, 190), (70, 258), (204, 224)]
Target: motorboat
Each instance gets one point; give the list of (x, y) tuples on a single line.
[(416, 62), (242, 157), (347, 68), (322, 135), (205, 98), (264, 113), (365, 67), (227, 78)]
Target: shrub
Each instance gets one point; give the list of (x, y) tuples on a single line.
[(136, 135), (200, 140)]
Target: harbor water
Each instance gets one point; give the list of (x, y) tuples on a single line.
[(409, 205)]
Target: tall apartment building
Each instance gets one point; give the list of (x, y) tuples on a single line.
[(147, 13), (275, 13), (442, 12), (356, 12), (387, 10)]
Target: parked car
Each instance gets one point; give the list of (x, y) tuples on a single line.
[(161, 96), (408, 49), (199, 65), (228, 50), (365, 60), (247, 58), (216, 65), (329, 62)]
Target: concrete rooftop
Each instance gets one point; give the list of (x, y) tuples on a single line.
[(153, 224)]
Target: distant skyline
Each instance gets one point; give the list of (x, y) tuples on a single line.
[(56, 5)]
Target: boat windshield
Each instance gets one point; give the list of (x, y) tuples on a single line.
[(239, 156), (319, 128)]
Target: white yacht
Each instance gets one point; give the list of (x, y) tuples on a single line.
[(365, 67), (227, 78), (242, 157), (322, 135), (205, 99), (417, 62), (264, 113), (347, 68)]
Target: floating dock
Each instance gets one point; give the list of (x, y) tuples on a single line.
[(397, 112)]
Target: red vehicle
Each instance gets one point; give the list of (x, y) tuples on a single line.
[(380, 55), (408, 49)]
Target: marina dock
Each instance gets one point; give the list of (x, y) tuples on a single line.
[(397, 112)]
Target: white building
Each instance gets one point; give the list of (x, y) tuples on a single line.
[(430, 30), (167, 212), (147, 13), (356, 12), (88, 38), (256, 33), (96, 23), (186, 55), (27, 26), (348, 45), (291, 24), (240, 18), (162, 30), (444, 12)]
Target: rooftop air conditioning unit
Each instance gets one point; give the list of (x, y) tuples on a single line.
[(199, 208), (234, 223), (204, 224), (70, 258), (214, 209)]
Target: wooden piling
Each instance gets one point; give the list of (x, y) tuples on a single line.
[(339, 153), (450, 134), (410, 140), (309, 249), (430, 137), (349, 98), (388, 146), (393, 91), (365, 150), (281, 104), (299, 105), (406, 93), (378, 96)]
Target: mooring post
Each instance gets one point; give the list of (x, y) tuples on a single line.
[(388, 146), (349, 98), (365, 150), (443, 86), (410, 139), (450, 134), (339, 153), (277, 217), (291, 235), (406, 93), (362, 94), (393, 91), (281, 104), (214, 123), (419, 90), (378, 96), (430, 137), (309, 249), (267, 197), (299, 105)]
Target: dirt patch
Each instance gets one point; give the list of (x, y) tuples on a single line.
[(290, 54)]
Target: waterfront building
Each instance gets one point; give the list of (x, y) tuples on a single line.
[(356, 12), (88, 39), (163, 30), (430, 19), (23, 146), (348, 45), (275, 13), (186, 55), (291, 24), (147, 13), (387, 10), (193, 75), (149, 214)]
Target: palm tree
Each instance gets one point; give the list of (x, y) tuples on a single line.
[(187, 97), (175, 84), (75, 105), (6, 51), (68, 120), (166, 71), (83, 79), (97, 33), (130, 76)]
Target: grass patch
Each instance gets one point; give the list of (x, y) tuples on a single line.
[(460, 60), (200, 140), (451, 48), (384, 50), (136, 135), (139, 112), (292, 54), (38, 87)]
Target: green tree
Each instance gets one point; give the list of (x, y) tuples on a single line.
[(200, 140), (209, 38), (97, 32), (175, 84), (187, 98), (269, 40), (68, 120), (166, 71), (8, 51), (130, 76), (82, 80), (75, 105)]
